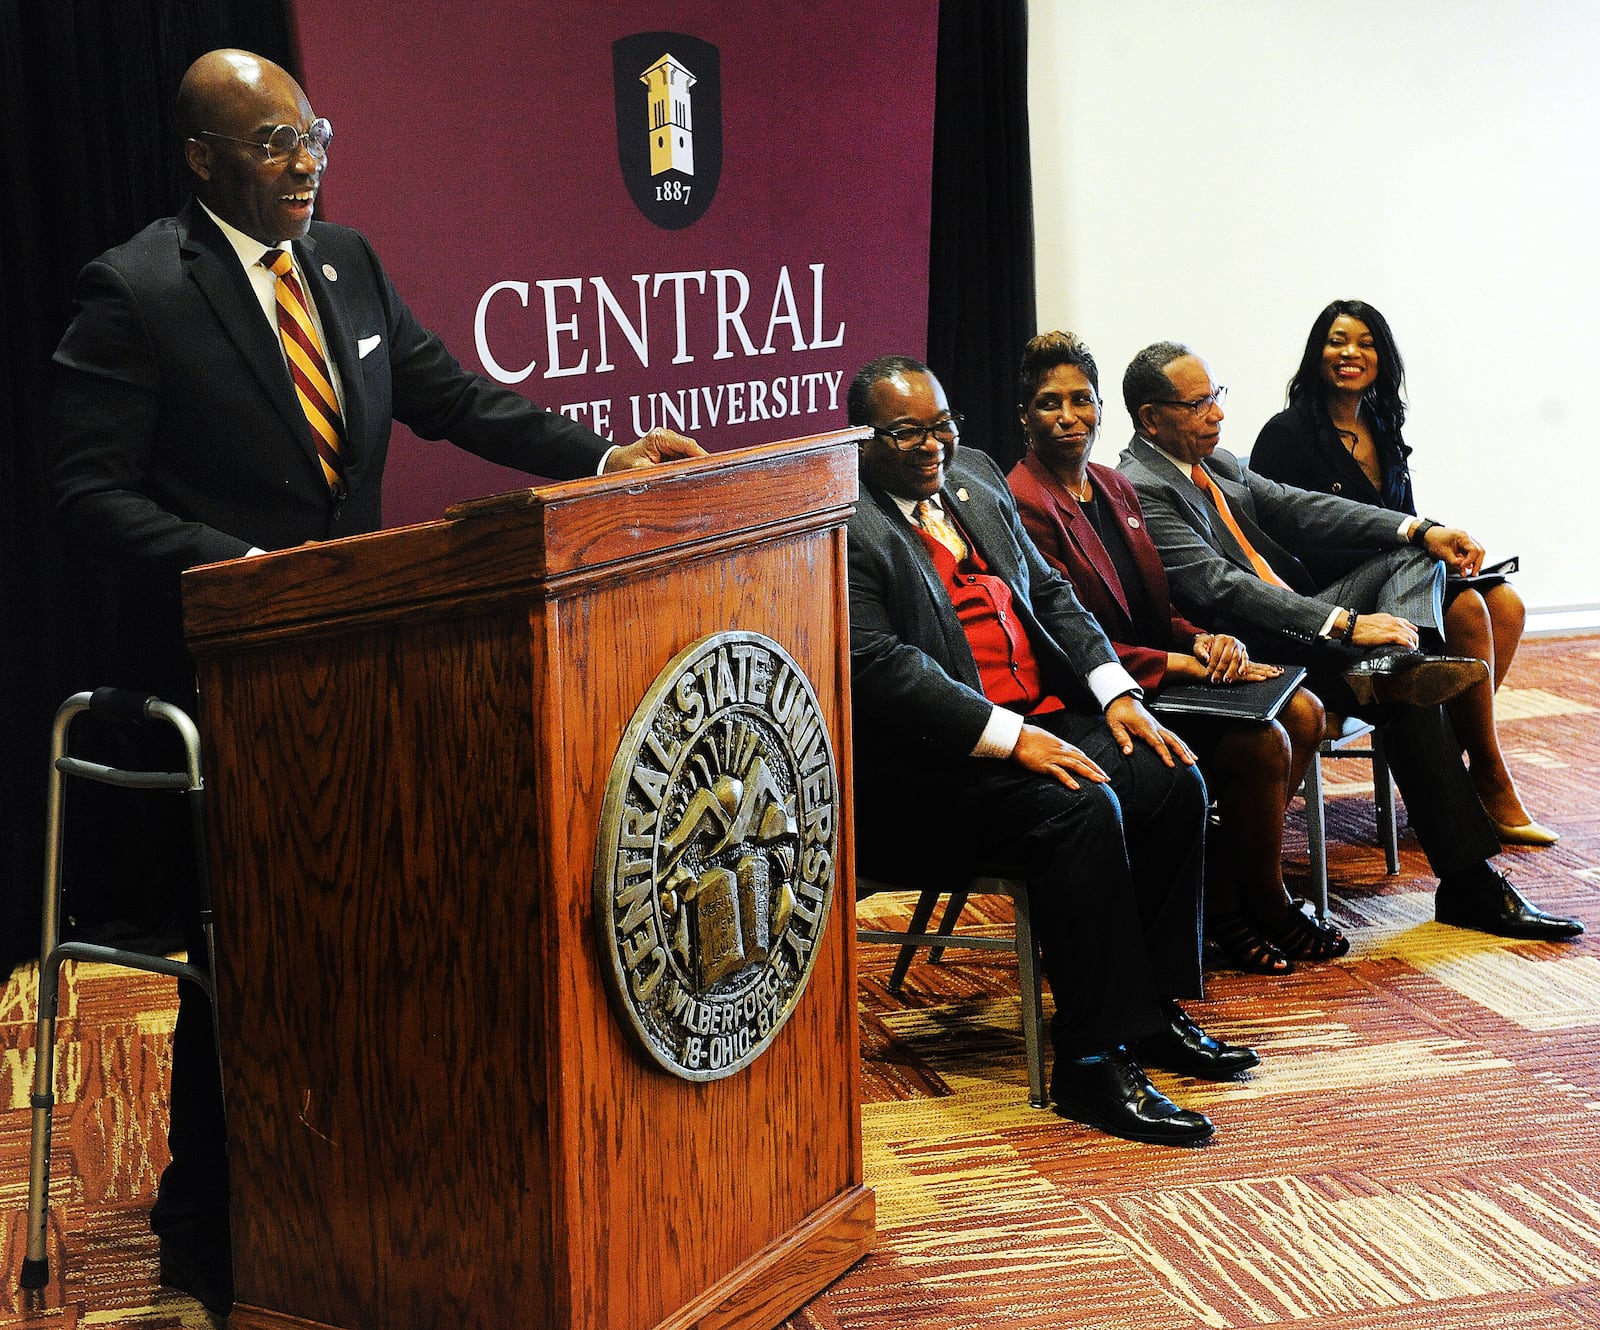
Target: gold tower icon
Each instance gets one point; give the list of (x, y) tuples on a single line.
[(671, 122)]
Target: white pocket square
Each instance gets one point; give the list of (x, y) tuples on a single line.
[(366, 345)]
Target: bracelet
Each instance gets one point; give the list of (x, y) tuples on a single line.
[(1348, 636)]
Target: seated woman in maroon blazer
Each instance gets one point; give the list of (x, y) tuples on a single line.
[(1341, 435), (1086, 521)]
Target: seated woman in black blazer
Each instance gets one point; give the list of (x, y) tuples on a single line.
[(1341, 435), (1087, 522)]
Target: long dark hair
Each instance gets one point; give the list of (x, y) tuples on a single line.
[(1385, 400)]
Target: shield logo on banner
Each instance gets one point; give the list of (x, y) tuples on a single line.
[(669, 124)]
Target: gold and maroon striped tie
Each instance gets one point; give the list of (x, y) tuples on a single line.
[(930, 517), (309, 368)]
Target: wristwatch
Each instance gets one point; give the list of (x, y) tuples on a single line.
[(1419, 533)]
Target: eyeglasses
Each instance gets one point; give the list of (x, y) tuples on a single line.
[(1200, 406), (907, 437), (286, 140)]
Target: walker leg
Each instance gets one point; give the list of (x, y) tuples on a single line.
[(35, 1262)]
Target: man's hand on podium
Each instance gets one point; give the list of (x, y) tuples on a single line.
[(659, 445)]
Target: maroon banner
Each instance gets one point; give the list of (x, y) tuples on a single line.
[(699, 215)]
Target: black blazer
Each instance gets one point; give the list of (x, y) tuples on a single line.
[(176, 435), (1300, 447), (918, 703)]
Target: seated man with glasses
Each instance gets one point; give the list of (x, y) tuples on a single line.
[(995, 729), (1230, 542)]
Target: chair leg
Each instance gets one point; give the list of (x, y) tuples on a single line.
[(1383, 804), (919, 924), (1316, 835), (947, 922), (1032, 1001)]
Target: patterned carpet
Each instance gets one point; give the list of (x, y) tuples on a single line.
[(1420, 1148)]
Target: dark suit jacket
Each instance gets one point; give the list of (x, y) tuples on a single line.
[(918, 702), (1069, 541), (176, 435), (1300, 447), (1212, 578)]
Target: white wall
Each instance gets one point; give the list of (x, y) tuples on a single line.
[(1215, 173)]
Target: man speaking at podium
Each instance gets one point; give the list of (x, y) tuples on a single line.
[(994, 727), (227, 387)]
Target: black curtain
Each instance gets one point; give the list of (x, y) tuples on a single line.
[(88, 158), (980, 272)]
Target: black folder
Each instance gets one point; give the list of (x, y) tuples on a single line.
[(1492, 575), (1260, 699)]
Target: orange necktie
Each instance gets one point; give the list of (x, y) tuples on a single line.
[(308, 368), (1263, 568), (930, 517)]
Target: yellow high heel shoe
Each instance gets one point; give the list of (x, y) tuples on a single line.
[(1526, 833)]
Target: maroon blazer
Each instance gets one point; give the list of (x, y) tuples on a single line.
[(1068, 540)]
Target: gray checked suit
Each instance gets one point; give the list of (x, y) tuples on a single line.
[(1213, 580)]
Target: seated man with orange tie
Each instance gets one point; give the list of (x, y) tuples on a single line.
[(1229, 541), (996, 729)]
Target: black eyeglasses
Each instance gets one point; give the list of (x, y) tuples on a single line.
[(907, 437), (1200, 406), (285, 141)]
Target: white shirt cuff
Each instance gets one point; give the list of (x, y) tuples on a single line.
[(604, 458), (1107, 682), (1110, 681), (1327, 624), (1000, 735)]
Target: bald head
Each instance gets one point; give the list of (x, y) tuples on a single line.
[(229, 103), (217, 82)]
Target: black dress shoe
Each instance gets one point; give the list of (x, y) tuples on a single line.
[(203, 1271), (1486, 900), (1185, 1048), (1110, 1091), (1393, 674)]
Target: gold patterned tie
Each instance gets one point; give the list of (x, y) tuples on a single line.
[(309, 368), (1263, 568), (930, 517)]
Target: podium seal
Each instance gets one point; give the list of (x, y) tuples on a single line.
[(714, 869)]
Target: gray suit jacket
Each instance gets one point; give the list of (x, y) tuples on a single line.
[(1211, 577), (915, 682)]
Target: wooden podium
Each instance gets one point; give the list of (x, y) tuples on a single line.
[(437, 1116)]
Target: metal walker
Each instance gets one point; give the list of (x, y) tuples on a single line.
[(123, 707)]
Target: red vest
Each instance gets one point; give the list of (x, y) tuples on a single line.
[(1007, 667)]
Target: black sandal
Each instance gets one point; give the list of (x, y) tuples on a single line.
[(1245, 949), (1303, 937)]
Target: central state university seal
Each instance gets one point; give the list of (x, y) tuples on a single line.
[(714, 869)]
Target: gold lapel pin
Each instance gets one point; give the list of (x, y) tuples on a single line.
[(329, 273)]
